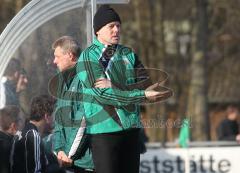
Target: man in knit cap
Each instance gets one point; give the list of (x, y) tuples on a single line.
[(112, 114)]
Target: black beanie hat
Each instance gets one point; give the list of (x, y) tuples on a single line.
[(104, 15)]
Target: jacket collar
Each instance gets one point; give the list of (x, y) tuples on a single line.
[(30, 126), (98, 43)]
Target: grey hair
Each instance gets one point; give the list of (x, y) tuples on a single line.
[(68, 44)]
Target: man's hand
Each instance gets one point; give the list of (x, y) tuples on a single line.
[(103, 83), (21, 83), (63, 160), (153, 95)]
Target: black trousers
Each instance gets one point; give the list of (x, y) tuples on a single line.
[(117, 152)]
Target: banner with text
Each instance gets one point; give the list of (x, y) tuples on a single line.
[(200, 160)]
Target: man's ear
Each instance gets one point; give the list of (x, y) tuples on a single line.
[(46, 117), (72, 57)]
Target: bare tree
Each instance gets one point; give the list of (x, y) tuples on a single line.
[(198, 102)]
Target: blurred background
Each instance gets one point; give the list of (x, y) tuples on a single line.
[(195, 41)]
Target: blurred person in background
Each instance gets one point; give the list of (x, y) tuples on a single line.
[(9, 117), (12, 83), (228, 129), (28, 153)]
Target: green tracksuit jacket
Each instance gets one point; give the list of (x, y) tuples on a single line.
[(110, 109), (69, 124)]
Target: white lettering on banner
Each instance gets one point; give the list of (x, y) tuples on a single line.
[(202, 160)]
